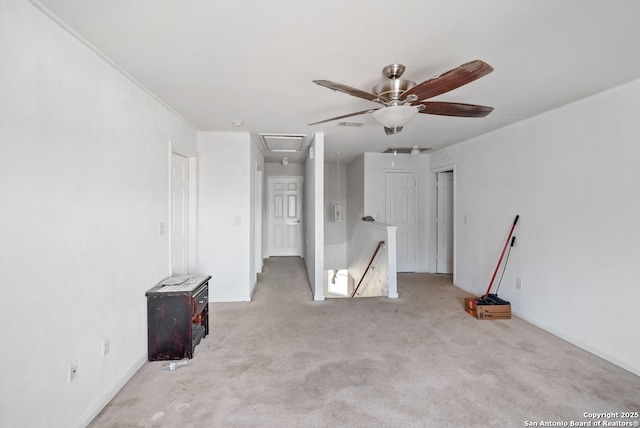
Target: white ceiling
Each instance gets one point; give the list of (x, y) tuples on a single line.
[(214, 62)]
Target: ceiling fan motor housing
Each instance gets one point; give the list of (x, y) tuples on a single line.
[(393, 71), (390, 91)]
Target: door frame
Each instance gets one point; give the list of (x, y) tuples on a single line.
[(193, 204), (267, 234), (415, 208), (259, 192), (433, 240)]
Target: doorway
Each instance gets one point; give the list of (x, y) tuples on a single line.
[(179, 215), (444, 221), (183, 175), (285, 217), (258, 224)]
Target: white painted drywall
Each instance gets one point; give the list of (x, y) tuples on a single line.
[(355, 195), (314, 216), (226, 214), (572, 176), (335, 233), (373, 276), (276, 168), (376, 165), (84, 158), (256, 166)]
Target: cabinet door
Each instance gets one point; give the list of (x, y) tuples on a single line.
[(169, 327)]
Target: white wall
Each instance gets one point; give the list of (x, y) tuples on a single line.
[(335, 233), (355, 194), (256, 166), (381, 277), (227, 213), (291, 170), (84, 158), (376, 165), (314, 216), (572, 176)]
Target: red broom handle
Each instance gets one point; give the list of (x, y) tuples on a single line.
[(506, 244)]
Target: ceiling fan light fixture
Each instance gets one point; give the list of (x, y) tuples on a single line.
[(395, 116), (392, 130), (415, 151)]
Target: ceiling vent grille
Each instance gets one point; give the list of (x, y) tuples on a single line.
[(405, 150)]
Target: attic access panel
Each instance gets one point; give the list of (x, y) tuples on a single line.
[(283, 143)]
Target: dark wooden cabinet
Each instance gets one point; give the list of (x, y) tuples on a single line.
[(177, 317)]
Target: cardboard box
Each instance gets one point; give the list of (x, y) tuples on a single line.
[(486, 312)]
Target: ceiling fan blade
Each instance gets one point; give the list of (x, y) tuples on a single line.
[(449, 80), (371, 110), (455, 109), (348, 90)]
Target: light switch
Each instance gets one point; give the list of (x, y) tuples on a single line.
[(161, 228)]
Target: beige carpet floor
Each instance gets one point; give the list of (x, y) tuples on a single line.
[(284, 360)]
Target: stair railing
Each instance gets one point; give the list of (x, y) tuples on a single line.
[(375, 253)]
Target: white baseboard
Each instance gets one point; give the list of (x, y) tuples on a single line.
[(97, 408), (229, 299), (586, 346), (580, 344)]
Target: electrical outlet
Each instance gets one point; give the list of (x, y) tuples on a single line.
[(518, 283), (73, 371), (105, 346)]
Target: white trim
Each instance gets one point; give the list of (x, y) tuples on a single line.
[(259, 203), (392, 261), (579, 343), (230, 299), (316, 205), (433, 268), (111, 392), (107, 60), (583, 345), (302, 238), (415, 208), (193, 203)]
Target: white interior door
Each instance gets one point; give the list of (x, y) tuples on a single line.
[(401, 211), (444, 223), (179, 215), (285, 216)]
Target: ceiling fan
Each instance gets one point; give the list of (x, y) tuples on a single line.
[(403, 99)]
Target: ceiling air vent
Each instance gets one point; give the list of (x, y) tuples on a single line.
[(406, 150), (351, 124)]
